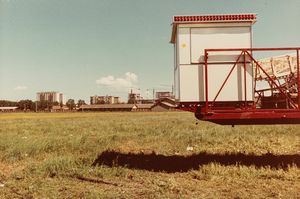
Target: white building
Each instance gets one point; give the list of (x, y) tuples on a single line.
[(52, 96), (104, 99), (163, 94), (191, 35)]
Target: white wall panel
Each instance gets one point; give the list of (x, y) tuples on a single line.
[(226, 37), (176, 83), (189, 75), (183, 45), (233, 89), (191, 86), (192, 83)]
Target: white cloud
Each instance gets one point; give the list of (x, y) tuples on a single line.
[(19, 88), (120, 83)]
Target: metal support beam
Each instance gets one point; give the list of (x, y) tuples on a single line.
[(298, 78), (206, 80)]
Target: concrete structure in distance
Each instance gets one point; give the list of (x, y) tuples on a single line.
[(51, 96), (104, 99)]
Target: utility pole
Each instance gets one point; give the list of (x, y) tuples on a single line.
[(172, 89), (153, 94)]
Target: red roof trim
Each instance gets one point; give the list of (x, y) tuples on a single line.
[(239, 17)]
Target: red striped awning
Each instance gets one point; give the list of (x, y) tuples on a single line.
[(215, 18)]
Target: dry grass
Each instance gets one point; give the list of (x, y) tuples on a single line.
[(45, 155)]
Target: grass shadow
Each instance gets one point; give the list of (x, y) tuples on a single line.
[(177, 163)]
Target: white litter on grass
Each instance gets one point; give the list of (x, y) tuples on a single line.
[(189, 148), (1, 185)]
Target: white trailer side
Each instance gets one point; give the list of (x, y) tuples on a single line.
[(190, 38)]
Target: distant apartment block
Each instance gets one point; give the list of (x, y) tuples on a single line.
[(104, 99), (50, 96)]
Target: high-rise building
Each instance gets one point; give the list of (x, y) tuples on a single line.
[(50, 97), (104, 99)]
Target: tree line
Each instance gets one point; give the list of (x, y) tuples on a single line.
[(29, 105)]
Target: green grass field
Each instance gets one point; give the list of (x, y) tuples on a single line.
[(58, 155)]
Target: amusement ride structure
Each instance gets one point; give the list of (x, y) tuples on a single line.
[(219, 79)]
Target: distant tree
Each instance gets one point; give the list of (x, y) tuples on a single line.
[(26, 105), (46, 105), (71, 104), (55, 103), (80, 102), (42, 105), (50, 104), (8, 103)]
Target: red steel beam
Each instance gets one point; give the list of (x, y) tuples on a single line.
[(298, 78), (206, 80), (245, 82), (251, 115), (264, 116), (251, 49)]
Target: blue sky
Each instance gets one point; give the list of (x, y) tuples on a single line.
[(100, 47)]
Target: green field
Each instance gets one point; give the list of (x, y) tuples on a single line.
[(144, 155)]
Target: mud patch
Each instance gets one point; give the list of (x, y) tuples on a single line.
[(176, 163)]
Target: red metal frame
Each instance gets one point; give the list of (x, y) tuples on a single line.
[(247, 112)]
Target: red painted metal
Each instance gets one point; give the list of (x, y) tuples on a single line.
[(248, 112), (245, 79), (298, 77), (208, 18), (254, 116), (252, 49), (206, 79)]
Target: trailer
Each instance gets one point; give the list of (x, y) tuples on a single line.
[(217, 76)]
